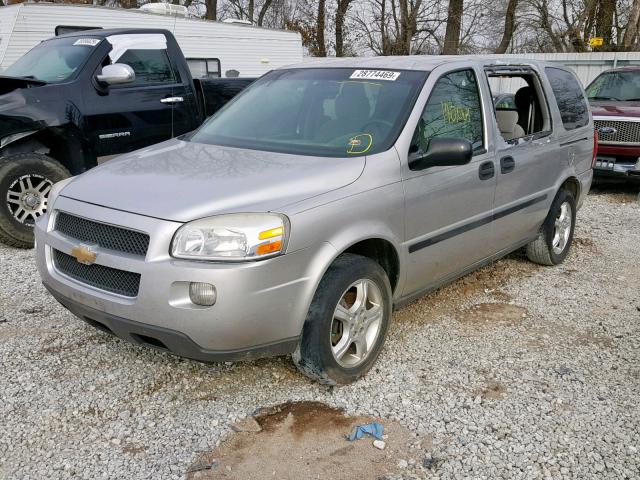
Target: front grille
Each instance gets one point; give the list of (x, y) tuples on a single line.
[(104, 235), (98, 276), (626, 132)]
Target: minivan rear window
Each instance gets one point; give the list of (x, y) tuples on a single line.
[(336, 112), (569, 97)]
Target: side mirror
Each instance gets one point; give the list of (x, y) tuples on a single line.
[(442, 152), (116, 74)]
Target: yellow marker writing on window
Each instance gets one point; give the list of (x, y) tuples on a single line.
[(453, 113), (359, 144)]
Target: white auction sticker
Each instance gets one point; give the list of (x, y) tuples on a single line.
[(375, 75), (87, 42)]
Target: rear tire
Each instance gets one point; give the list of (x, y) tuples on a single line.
[(552, 245), (347, 322), (25, 182)]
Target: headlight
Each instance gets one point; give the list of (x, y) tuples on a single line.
[(233, 237)]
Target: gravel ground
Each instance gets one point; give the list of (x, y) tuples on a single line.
[(516, 371)]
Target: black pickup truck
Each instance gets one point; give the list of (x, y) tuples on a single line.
[(79, 98)]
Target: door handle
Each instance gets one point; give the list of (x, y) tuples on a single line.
[(507, 164), (486, 170), (172, 100)]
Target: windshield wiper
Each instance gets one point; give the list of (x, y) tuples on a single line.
[(632, 99), (605, 98)]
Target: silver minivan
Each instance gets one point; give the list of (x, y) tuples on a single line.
[(323, 196)]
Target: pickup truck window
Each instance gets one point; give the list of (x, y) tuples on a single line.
[(54, 60), (150, 66), (571, 103), (204, 67), (453, 110), (619, 86), (337, 112)]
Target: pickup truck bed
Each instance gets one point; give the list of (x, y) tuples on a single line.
[(213, 93)]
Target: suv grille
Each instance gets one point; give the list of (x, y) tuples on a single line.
[(103, 235), (98, 276), (626, 132)]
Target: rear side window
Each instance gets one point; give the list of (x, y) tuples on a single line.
[(453, 110), (150, 66), (569, 97)]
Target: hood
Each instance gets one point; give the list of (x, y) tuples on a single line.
[(602, 108), (9, 84), (183, 181)]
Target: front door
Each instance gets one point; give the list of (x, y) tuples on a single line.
[(448, 209), (140, 113)]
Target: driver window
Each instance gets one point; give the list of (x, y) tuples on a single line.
[(453, 110), (150, 66)]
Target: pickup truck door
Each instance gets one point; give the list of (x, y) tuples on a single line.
[(449, 209), (141, 113)]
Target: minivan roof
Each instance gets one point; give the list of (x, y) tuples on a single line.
[(417, 62)]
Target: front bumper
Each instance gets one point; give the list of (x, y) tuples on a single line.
[(260, 307), (628, 168), (166, 339), (618, 161)]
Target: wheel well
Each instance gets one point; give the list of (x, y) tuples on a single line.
[(383, 252), (63, 146), (572, 185)]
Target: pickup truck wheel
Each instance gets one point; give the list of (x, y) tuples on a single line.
[(347, 322), (555, 237), (25, 182)]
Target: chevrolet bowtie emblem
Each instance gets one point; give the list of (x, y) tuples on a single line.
[(84, 254)]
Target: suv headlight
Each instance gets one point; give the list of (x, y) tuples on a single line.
[(233, 237)]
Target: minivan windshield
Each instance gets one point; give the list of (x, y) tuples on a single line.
[(618, 86), (335, 112), (54, 60)]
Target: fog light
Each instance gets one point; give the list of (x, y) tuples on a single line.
[(202, 293)]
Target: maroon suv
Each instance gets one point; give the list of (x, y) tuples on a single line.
[(615, 102)]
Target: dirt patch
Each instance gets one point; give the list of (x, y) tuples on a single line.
[(305, 416), (587, 339), (502, 314), (492, 391), (133, 449), (492, 280), (91, 340), (585, 244), (616, 192), (303, 440)]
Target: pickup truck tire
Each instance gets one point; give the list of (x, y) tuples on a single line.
[(552, 245), (347, 322), (25, 181)]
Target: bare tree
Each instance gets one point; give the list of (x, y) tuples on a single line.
[(509, 27), (604, 21), (320, 27), (263, 11), (631, 31), (341, 12), (454, 25), (212, 9)]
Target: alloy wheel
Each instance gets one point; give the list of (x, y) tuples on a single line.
[(356, 324), (562, 229), (27, 198)]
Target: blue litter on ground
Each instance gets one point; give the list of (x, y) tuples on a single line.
[(372, 429)]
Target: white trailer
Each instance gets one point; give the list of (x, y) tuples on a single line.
[(211, 48)]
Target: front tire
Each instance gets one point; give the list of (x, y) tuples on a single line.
[(25, 182), (552, 245), (347, 322)]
